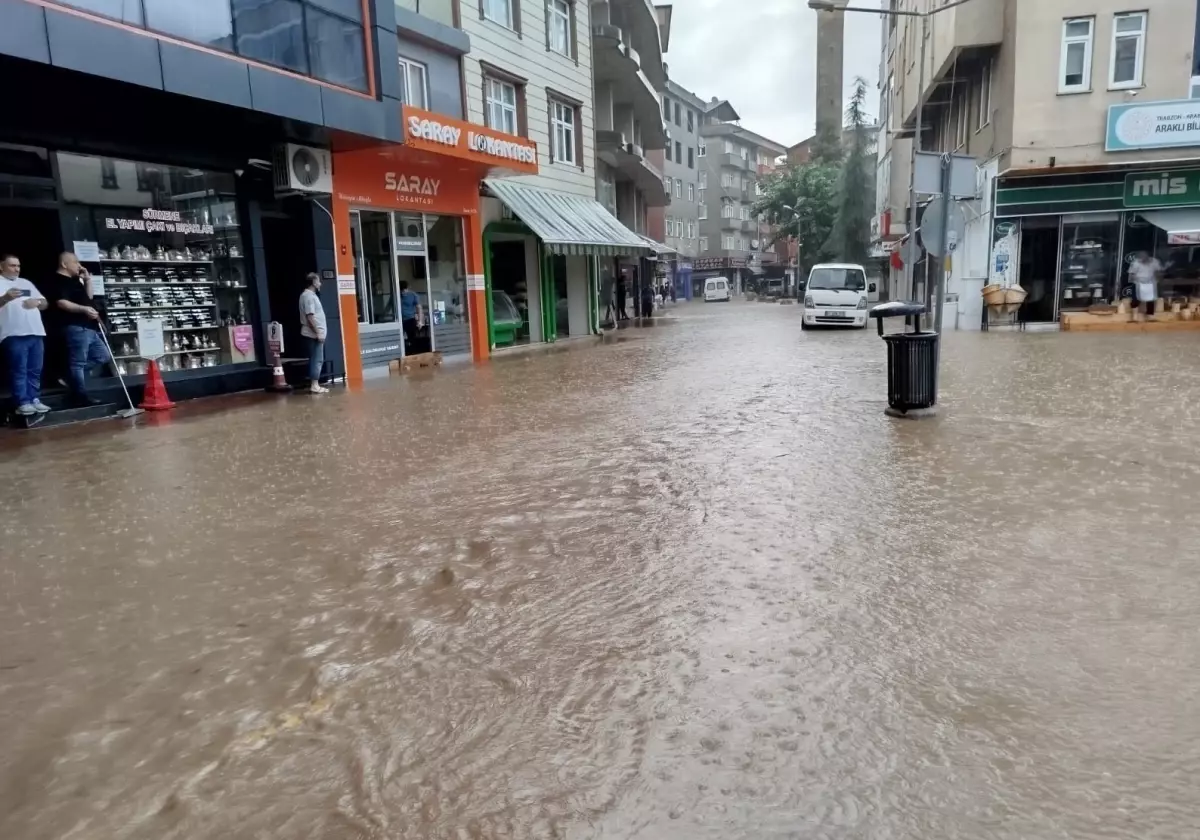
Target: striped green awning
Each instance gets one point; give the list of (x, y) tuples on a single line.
[(570, 225)]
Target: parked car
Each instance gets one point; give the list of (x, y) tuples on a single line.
[(716, 289), (773, 288), (835, 296)]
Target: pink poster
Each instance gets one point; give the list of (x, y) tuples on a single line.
[(243, 339)]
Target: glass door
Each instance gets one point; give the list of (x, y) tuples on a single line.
[(364, 306)]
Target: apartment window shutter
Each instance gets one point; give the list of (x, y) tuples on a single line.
[(579, 138), (481, 14), (574, 34), (549, 15), (550, 133), (516, 16)]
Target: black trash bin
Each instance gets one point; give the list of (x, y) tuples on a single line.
[(912, 359)]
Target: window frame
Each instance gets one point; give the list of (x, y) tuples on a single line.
[(703, 244), (691, 157), (553, 15), (491, 73), (692, 191), (984, 116), (666, 103), (678, 188), (691, 229), (553, 104), (702, 212), (513, 8), (677, 112), (702, 181), (668, 183), (691, 120), (701, 148), (1065, 43), (405, 63), (1139, 66)]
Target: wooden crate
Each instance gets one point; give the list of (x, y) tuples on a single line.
[(416, 360)]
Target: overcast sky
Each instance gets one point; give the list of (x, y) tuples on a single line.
[(760, 55)]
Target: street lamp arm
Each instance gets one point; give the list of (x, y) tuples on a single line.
[(830, 6)]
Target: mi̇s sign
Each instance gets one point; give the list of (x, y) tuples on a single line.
[(1162, 189)]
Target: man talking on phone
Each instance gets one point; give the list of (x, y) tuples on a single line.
[(22, 336), (79, 316)]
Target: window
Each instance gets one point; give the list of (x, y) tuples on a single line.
[(703, 180), (121, 10), (691, 192), (108, 174), (440, 10), (700, 148), (691, 230), (498, 11), (559, 23), (678, 188), (564, 134), (727, 180), (666, 108), (413, 87), (961, 129), (728, 147), (985, 96), (691, 120), (336, 52), (271, 31), (668, 149), (1128, 50), (678, 152), (670, 226), (1075, 65), (691, 158), (702, 212), (500, 100), (667, 180), (703, 244), (205, 23), (727, 242), (702, 196), (676, 113), (727, 209)]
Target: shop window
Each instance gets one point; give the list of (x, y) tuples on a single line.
[(448, 310), (1128, 54), (173, 252), (207, 23), (122, 10), (565, 137), (414, 83), (1075, 63), (272, 31), (1180, 258), (560, 27), (1088, 271), (500, 101), (336, 50)]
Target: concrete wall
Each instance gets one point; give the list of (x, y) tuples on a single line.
[(680, 209), (525, 56)]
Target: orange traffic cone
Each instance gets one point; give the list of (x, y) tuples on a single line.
[(155, 398), (278, 381)]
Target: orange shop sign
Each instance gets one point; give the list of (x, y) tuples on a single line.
[(389, 178), (444, 135)]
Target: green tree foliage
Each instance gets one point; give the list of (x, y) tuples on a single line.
[(802, 202), (850, 237)]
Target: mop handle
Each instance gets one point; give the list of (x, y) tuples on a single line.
[(113, 360)]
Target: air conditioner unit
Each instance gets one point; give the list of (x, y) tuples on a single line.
[(302, 169)]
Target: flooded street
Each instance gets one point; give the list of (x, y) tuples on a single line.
[(692, 584)]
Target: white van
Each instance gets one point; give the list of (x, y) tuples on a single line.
[(716, 289), (835, 296)]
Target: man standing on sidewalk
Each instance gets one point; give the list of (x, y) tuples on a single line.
[(312, 327), (77, 313), (22, 336)]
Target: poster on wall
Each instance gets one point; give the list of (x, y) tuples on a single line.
[(1004, 253)]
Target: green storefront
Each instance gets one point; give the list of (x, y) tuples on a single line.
[(1068, 239)]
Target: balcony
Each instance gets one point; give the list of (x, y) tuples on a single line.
[(618, 66), (959, 37), (630, 164), (639, 21), (735, 162)]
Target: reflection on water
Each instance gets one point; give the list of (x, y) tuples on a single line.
[(691, 585)]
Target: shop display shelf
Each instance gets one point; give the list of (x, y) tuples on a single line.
[(108, 282), (168, 329), (177, 353), (156, 262), (179, 306), (232, 288)]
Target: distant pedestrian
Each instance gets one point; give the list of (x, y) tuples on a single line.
[(22, 336), (622, 295), (1144, 273), (314, 330)]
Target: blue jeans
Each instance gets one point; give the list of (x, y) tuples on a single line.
[(85, 350), (316, 357), (24, 356)]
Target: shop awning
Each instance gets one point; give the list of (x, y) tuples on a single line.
[(657, 247), (568, 224), (1182, 225)]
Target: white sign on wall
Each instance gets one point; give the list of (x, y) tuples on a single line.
[(150, 338)]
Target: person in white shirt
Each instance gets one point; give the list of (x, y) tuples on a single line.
[(1144, 273), (312, 327), (22, 336)]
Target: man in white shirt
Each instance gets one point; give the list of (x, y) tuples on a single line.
[(22, 336), (1144, 273), (312, 327)]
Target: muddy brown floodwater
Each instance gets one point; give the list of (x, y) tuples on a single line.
[(690, 585)]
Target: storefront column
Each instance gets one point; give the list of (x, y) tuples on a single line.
[(347, 297), (477, 295)]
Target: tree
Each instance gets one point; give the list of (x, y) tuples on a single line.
[(850, 238), (802, 202)]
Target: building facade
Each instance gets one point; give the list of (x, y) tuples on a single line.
[(1077, 114), (734, 243)]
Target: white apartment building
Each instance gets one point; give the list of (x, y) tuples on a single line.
[(1079, 115)]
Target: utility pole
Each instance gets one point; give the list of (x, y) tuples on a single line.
[(831, 33), (911, 226)]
